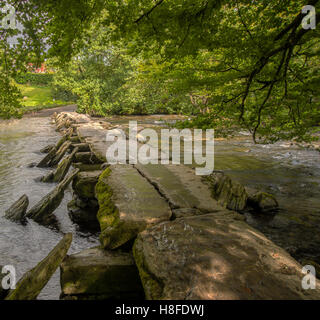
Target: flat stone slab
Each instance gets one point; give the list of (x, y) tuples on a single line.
[(216, 257), (128, 204), (100, 274), (181, 186)]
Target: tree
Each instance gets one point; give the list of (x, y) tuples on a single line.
[(260, 65), (240, 62)]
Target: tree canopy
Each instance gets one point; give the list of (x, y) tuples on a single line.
[(241, 63)]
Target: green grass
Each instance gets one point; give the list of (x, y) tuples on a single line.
[(38, 97)]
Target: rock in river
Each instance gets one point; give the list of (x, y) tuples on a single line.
[(18, 210), (85, 182), (46, 160), (42, 211), (47, 149), (263, 202), (62, 169), (228, 193), (84, 213), (31, 284)]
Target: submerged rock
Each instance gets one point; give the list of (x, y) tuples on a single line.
[(230, 194), (18, 210), (31, 284), (47, 159), (263, 202), (47, 149), (128, 204), (216, 257), (42, 211), (100, 274), (32, 165)]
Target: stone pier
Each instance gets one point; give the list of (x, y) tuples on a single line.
[(162, 230)]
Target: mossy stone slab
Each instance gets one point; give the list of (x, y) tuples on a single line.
[(128, 204)]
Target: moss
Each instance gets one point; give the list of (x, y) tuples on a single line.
[(84, 184), (263, 201), (108, 215), (119, 234), (85, 190), (152, 287)]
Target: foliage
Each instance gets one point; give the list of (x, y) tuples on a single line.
[(252, 64), (107, 80), (231, 63), (37, 79), (9, 99)]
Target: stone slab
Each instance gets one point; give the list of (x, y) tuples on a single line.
[(216, 257), (181, 186), (100, 274), (128, 204)]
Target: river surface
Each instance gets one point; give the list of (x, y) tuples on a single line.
[(290, 173)]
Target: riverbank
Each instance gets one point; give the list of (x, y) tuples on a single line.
[(50, 111)]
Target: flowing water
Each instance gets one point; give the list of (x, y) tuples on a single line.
[(290, 173), (25, 246)]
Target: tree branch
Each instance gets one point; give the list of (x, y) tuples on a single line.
[(149, 12)]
